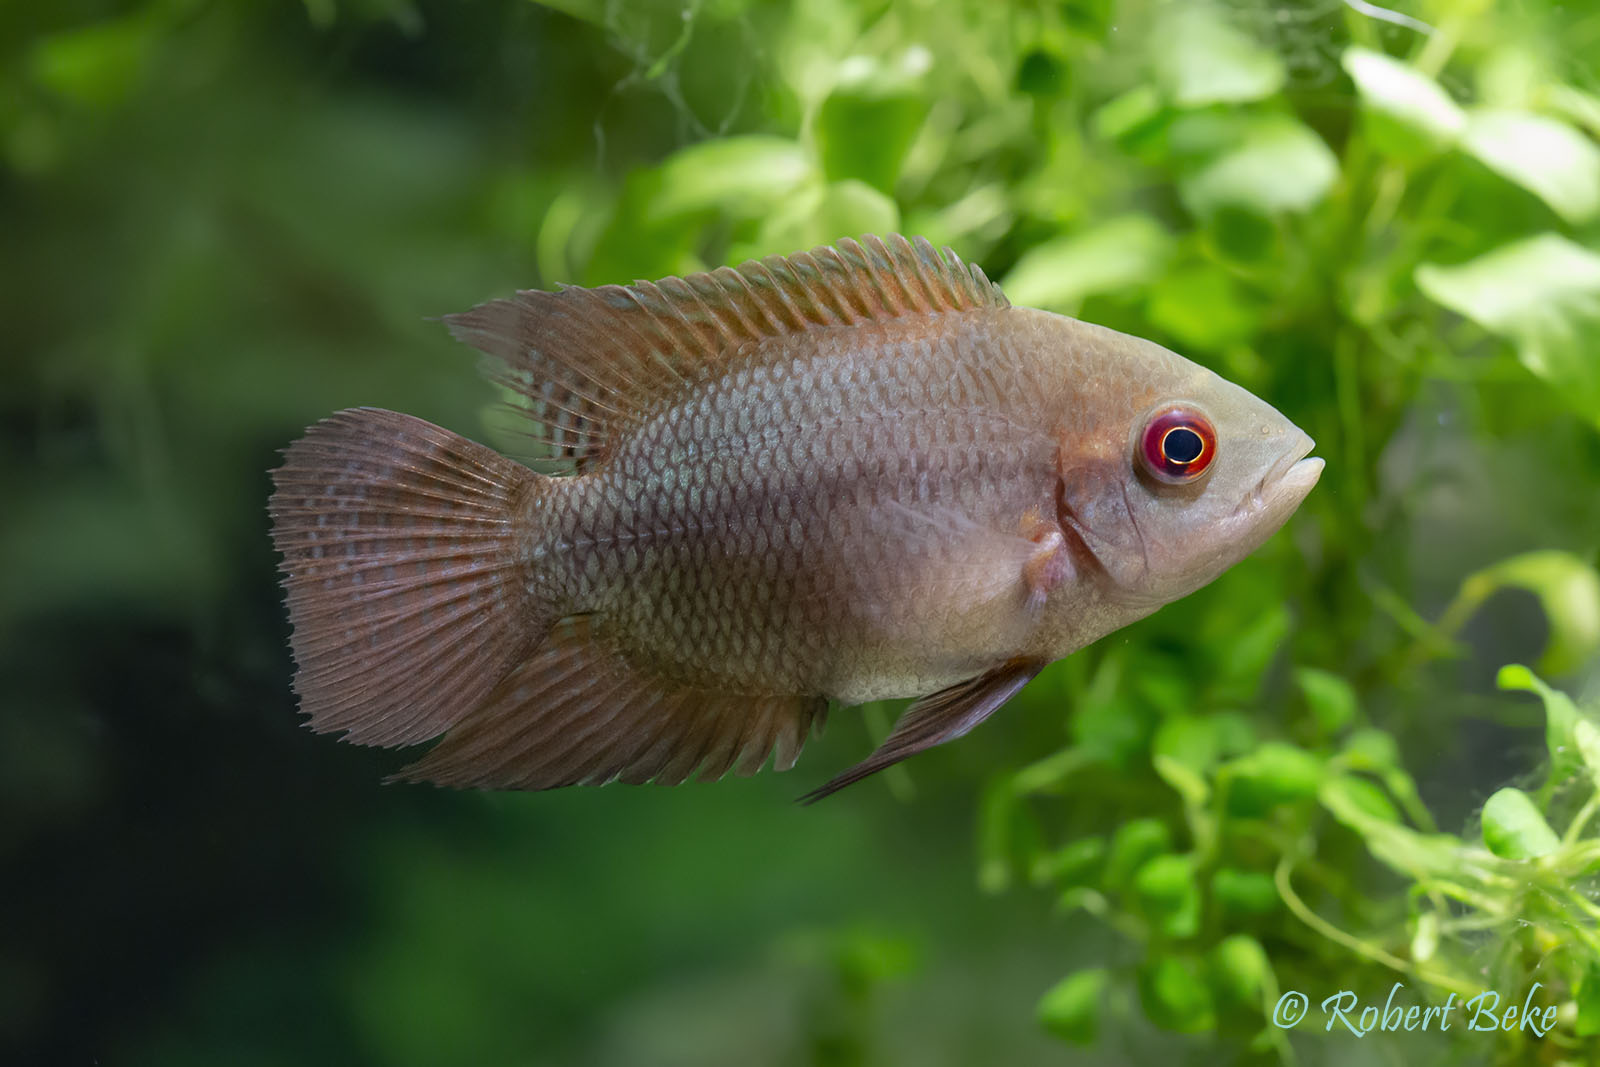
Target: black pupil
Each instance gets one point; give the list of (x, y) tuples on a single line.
[(1182, 445)]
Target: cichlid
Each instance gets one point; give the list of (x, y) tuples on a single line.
[(850, 474)]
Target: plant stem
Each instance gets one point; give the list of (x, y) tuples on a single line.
[(1361, 948)]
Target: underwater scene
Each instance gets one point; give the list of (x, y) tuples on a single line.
[(833, 533)]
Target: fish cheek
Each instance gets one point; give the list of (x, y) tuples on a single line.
[(1185, 532), (1100, 520)]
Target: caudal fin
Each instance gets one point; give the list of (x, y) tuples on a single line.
[(406, 592)]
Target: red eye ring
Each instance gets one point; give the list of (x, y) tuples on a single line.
[(1178, 446)]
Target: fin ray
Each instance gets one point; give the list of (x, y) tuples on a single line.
[(576, 712), (935, 719), (406, 594), (588, 361)]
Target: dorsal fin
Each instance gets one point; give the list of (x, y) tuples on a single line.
[(589, 361)]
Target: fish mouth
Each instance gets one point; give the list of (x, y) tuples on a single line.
[(1287, 481)]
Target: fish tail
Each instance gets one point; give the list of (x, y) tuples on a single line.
[(409, 594)]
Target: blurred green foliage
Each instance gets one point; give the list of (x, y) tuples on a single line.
[(225, 220)]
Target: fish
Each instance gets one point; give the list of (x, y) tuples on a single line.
[(850, 474)]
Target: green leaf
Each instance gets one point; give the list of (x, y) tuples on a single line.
[(1050, 774), (1588, 998), (1175, 995), (1510, 73), (1569, 592), (1125, 117), (1183, 779), (818, 215), (1544, 155), (1276, 773), (1425, 939), (1242, 237), (1071, 1008), (1271, 164), (1514, 829), (1240, 968), (1371, 750), (866, 126), (1249, 652), (1042, 73), (1134, 843), (1092, 18), (1405, 94), (1202, 308), (1074, 863), (1405, 850), (1188, 739), (1236, 734), (1331, 699), (1244, 893), (1375, 751), (1356, 802), (743, 176), (1586, 735), (1169, 894), (1114, 731), (1163, 684), (1121, 253), (1560, 716), (1581, 107), (1200, 58), (1543, 295), (1184, 748), (867, 957)]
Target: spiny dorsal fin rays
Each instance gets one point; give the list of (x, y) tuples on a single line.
[(588, 361)]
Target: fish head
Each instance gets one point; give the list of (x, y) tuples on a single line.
[(1169, 474)]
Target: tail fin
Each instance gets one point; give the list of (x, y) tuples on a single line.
[(400, 561)]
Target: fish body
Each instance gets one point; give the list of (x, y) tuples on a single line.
[(835, 513), (851, 474)]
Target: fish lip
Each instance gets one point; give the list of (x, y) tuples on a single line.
[(1302, 475), (1287, 481)]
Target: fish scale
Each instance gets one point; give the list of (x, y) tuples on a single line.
[(853, 473), (839, 427)]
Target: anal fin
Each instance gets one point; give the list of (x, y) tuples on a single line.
[(937, 718), (577, 713)]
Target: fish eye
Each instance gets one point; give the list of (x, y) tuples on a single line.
[(1178, 446)]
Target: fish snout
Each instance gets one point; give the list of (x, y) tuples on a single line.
[(1288, 480)]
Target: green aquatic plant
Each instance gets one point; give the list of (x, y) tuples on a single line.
[(1194, 184), (1235, 889), (229, 219)]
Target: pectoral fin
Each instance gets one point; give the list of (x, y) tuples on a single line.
[(937, 718)]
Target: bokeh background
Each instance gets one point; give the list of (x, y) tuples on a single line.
[(224, 220)]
